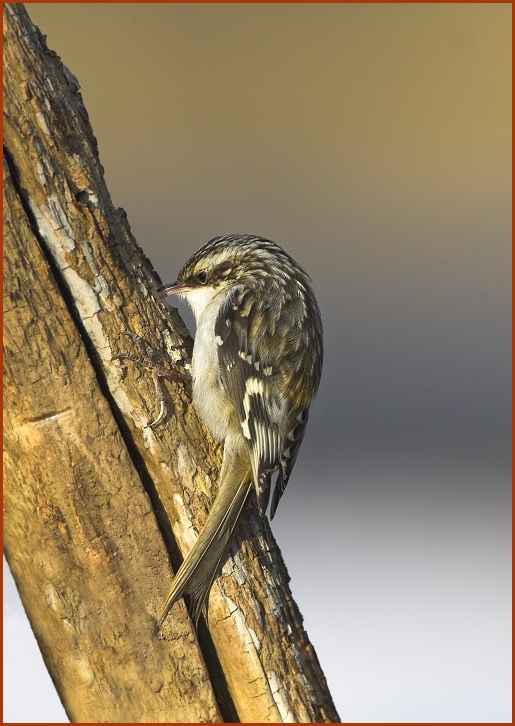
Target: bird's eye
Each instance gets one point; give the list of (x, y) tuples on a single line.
[(202, 277)]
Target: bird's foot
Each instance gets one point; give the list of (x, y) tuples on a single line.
[(149, 358)]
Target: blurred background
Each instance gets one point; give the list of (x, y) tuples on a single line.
[(373, 142)]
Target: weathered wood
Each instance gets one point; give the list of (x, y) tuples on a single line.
[(80, 533), (93, 497)]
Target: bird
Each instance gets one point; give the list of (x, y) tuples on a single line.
[(256, 366)]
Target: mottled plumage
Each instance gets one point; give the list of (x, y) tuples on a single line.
[(256, 366)]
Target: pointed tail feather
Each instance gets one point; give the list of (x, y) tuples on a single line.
[(202, 564)]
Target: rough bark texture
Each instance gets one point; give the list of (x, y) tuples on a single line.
[(96, 503)]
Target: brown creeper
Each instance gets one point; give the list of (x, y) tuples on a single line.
[(256, 366)]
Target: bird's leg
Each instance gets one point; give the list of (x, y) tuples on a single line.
[(148, 358)]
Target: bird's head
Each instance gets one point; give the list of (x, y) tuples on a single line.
[(225, 262)]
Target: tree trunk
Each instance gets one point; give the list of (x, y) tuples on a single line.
[(96, 503)]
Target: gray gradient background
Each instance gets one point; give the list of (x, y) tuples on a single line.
[(374, 143)]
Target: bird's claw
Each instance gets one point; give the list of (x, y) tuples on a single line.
[(147, 359)]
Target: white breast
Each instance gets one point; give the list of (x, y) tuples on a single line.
[(212, 404)]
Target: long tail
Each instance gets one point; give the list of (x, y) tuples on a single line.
[(203, 562)]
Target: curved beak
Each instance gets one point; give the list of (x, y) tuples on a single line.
[(173, 288)]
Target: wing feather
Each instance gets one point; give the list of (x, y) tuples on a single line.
[(254, 389)]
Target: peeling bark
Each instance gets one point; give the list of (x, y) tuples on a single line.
[(97, 504)]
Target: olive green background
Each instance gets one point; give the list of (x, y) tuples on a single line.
[(373, 142)]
